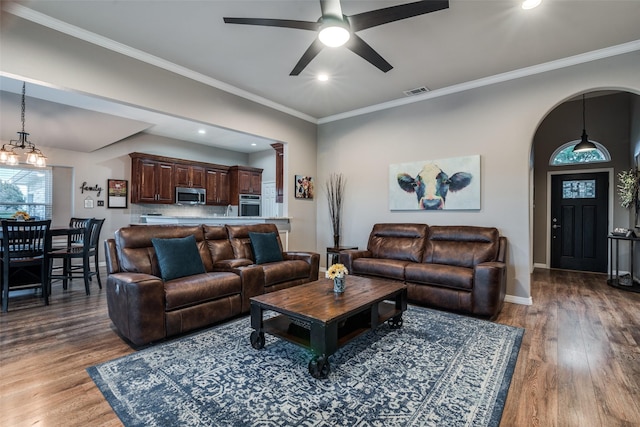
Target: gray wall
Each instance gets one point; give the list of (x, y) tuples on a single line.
[(498, 122)]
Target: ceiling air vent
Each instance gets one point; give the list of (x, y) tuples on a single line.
[(416, 91)]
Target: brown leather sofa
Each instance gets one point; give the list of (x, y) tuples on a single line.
[(144, 308), (457, 268)]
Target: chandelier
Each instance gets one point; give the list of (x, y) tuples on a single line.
[(33, 155)]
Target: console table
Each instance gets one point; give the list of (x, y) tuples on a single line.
[(615, 280)]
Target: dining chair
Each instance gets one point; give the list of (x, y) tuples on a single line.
[(71, 239), (25, 263), (86, 251)]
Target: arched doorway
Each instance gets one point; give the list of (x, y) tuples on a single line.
[(611, 118)]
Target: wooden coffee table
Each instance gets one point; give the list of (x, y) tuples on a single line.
[(312, 316)]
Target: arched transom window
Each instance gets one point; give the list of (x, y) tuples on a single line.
[(564, 155)]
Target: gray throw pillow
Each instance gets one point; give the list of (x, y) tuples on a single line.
[(178, 257), (265, 247)]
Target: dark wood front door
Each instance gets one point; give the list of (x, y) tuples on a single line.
[(579, 221)]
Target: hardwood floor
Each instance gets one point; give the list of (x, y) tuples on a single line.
[(579, 364)]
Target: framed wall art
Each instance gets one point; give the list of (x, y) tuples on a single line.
[(117, 193), (445, 184), (304, 187)]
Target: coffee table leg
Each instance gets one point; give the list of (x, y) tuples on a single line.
[(257, 336), (319, 367), (396, 322)]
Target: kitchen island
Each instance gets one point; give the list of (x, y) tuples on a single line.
[(282, 223)]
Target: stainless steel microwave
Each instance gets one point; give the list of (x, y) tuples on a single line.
[(191, 196)]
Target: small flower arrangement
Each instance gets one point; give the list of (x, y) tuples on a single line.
[(21, 215), (336, 271)]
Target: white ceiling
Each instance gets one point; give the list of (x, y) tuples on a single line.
[(474, 42)]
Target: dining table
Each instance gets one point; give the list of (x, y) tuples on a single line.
[(53, 233)]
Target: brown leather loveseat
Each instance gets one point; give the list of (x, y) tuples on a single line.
[(145, 308), (457, 268)]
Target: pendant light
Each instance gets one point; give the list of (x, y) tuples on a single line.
[(584, 145), (33, 155)]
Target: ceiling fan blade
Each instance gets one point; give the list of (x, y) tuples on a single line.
[(377, 17), (331, 8), (284, 23), (361, 48), (311, 53)]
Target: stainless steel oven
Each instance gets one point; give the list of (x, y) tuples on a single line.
[(249, 205)]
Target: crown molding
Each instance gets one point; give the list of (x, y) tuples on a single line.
[(63, 27), (498, 78)]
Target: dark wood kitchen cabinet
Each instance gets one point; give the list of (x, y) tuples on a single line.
[(154, 179), (217, 186), (151, 181), (246, 180), (189, 175)]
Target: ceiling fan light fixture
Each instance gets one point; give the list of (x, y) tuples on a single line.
[(334, 33)]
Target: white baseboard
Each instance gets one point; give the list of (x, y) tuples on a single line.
[(518, 300), (540, 265)]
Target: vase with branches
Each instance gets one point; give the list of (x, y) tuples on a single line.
[(335, 195)]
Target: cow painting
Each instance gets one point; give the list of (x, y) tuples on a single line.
[(432, 184)]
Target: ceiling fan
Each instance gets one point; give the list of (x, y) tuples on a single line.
[(333, 22)]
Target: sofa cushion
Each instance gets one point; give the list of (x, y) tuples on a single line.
[(239, 238), (217, 243), (463, 246), (449, 276), (265, 247), (200, 288), (178, 257), (398, 241), (285, 271), (381, 267), (135, 250)]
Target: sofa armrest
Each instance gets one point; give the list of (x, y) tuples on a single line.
[(347, 257), (136, 306), (312, 258), (489, 288), (231, 264), (111, 256), (252, 277)]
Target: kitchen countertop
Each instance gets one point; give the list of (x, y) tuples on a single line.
[(282, 223)]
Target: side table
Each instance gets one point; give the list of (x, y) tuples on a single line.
[(615, 279), (334, 252)]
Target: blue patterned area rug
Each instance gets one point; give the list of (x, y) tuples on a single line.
[(438, 369)]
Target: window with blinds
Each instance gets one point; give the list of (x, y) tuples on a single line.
[(27, 189)]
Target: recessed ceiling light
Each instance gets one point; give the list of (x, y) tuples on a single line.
[(253, 144), (323, 77), (530, 4), (202, 131)]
